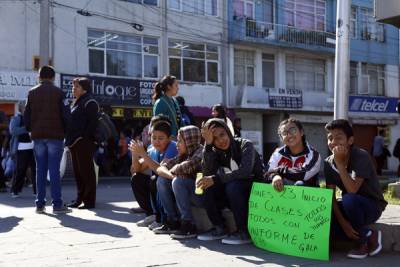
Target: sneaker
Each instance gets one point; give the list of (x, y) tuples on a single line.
[(14, 195), (374, 242), (187, 230), (215, 234), (238, 238), (167, 228), (41, 210), (146, 221), (61, 210), (360, 252), (154, 225)]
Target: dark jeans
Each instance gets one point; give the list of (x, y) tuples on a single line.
[(25, 160), (380, 161), (2, 178), (360, 211), (236, 194), (82, 160), (158, 210), (140, 184)]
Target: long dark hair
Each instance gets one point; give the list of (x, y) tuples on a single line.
[(221, 110), (162, 86)]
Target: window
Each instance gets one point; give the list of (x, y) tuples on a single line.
[(305, 14), (353, 78), (353, 22), (243, 8), (199, 7), (373, 79), (193, 62), (305, 73), (122, 55), (147, 2), (369, 28), (268, 70), (244, 68)]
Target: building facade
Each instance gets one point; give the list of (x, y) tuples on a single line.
[(282, 64)]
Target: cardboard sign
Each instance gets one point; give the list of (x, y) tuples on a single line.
[(295, 221)]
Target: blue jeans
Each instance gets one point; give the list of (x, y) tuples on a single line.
[(184, 194), (360, 211), (167, 197), (48, 153), (234, 194)]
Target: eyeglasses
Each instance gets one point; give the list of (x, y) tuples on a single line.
[(291, 131)]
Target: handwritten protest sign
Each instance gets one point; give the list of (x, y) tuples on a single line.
[(294, 222)]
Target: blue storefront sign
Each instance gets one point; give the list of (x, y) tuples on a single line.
[(372, 104)]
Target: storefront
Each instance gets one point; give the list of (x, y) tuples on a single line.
[(370, 114)]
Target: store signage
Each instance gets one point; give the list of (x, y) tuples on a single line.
[(114, 91), (372, 104), (15, 85), (118, 112), (285, 98), (142, 113)]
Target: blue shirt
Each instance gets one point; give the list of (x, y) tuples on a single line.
[(169, 153)]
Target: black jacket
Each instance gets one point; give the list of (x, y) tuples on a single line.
[(219, 163), (83, 123)]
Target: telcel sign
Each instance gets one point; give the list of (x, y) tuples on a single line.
[(372, 104)]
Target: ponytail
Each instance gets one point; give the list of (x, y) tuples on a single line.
[(162, 86)]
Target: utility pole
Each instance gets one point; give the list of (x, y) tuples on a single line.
[(342, 60), (44, 45), (225, 55), (164, 70)]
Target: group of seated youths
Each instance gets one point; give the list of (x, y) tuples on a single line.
[(164, 179)]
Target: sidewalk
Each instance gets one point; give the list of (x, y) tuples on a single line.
[(108, 236)]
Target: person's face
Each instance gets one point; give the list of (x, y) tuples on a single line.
[(77, 90), (173, 89), (181, 146), (221, 138), (159, 140), (337, 137), (291, 135), (214, 113)]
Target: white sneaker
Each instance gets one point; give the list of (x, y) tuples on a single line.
[(14, 195), (146, 221), (238, 238), (154, 225)]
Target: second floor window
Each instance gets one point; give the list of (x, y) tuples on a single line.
[(268, 70), (373, 79), (193, 62), (305, 73), (305, 14), (117, 54), (243, 8), (244, 68), (370, 29), (200, 7), (146, 2)]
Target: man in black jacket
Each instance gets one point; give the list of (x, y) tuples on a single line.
[(46, 117)]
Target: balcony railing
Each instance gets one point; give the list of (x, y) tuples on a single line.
[(265, 32)]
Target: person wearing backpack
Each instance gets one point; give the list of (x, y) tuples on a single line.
[(80, 139), (396, 153), (230, 165)]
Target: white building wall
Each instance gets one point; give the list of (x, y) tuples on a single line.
[(392, 80)]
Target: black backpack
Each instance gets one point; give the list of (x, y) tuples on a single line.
[(105, 129), (396, 150)]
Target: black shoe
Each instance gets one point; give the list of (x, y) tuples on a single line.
[(137, 210), (74, 204), (170, 227), (187, 230), (86, 207)]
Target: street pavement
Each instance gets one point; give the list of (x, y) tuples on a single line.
[(108, 236)]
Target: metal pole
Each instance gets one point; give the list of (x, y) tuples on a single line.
[(342, 60), (164, 70), (44, 45), (225, 56)]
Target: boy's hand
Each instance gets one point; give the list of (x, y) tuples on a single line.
[(173, 170), (339, 155), (207, 133), (349, 230), (205, 182), (137, 148), (277, 183)]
